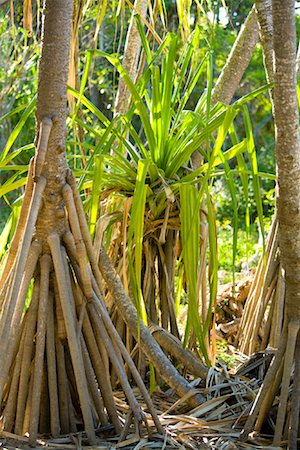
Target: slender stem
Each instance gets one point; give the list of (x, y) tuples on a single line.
[(84, 227), (293, 329), (10, 408), (52, 374), (11, 325), (116, 337), (80, 249), (28, 407), (27, 355), (25, 244), (45, 263), (62, 386), (97, 399), (44, 134), (18, 235), (266, 385), (100, 371), (117, 363), (66, 303), (295, 402)]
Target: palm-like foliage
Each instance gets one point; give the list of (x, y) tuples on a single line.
[(157, 214)]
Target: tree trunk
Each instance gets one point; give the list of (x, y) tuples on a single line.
[(237, 61), (264, 16), (288, 197), (131, 57)]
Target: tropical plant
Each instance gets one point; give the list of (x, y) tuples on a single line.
[(152, 214)]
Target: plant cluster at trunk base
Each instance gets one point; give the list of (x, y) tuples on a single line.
[(57, 352)]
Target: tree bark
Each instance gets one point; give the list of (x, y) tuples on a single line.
[(62, 282), (264, 16), (52, 105), (287, 150), (131, 57), (288, 197), (237, 61)]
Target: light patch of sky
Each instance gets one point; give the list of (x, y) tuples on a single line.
[(223, 16)]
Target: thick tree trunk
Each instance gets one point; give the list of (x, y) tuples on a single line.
[(288, 198), (287, 151), (52, 107)]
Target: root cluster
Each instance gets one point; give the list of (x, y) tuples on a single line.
[(58, 343)]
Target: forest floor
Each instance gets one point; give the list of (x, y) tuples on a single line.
[(216, 424), (229, 390)]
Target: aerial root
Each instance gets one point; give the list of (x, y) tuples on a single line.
[(41, 149), (52, 370), (279, 377), (295, 401), (45, 263), (26, 360), (11, 318), (18, 235), (60, 344), (69, 317), (293, 329), (265, 386)]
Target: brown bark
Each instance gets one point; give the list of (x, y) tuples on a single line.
[(287, 151), (237, 61), (52, 104), (264, 16), (288, 196), (131, 57), (61, 340), (141, 333)]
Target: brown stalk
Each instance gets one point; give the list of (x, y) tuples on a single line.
[(80, 248), (269, 399), (166, 370), (101, 374), (51, 366), (174, 347), (293, 329), (97, 399), (60, 322), (14, 306), (295, 402), (28, 406), (117, 363), (41, 149), (23, 256), (18, 235), (84, 227), (45, 263), (11, 328), (77, 361), (72, 419), (266, 385), (278, 310), (116, 338), (27, 355), (62, 386), (10, 408), (44, 425), (6, 289)]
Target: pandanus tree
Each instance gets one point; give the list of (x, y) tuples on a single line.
[(278, 377), (57, 339)]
